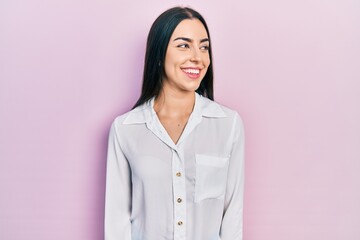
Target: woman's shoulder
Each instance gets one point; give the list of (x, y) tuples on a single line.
[(133, 116), (218, 107), (119, 119), (233, 114)]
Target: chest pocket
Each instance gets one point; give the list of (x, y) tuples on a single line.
[(211, 177)]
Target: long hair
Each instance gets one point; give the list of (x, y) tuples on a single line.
[(156, 46)]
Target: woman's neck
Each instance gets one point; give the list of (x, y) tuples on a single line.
[(174, 103)]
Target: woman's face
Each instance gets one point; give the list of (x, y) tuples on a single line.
[(187, 57)]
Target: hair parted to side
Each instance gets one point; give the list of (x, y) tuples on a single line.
[(156, 46)]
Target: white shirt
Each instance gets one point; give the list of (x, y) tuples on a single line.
[(159, 190)]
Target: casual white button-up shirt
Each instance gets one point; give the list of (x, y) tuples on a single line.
[(159, 190)]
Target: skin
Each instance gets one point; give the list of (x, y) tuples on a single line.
[(186, 62)]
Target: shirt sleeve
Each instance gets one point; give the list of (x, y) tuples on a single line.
[(117, 224), (232, 223)]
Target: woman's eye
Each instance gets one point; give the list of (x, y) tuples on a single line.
[(183, 45), (206, 48)]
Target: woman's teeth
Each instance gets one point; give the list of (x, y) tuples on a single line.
[(192, 71)]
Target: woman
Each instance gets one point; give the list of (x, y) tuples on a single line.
[(175, 167)]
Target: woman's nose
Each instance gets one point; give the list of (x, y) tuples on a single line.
[(195, 57)]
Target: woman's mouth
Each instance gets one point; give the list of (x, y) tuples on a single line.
[(192, 72)]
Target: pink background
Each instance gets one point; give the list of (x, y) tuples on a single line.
[(291, 69)]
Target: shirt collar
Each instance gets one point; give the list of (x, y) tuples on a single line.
[(204, 107)]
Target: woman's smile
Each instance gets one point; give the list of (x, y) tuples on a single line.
[(192, 73)]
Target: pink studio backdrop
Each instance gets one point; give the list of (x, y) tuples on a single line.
[(290, 68)]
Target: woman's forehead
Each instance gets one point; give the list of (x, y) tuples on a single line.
[(190, 28)]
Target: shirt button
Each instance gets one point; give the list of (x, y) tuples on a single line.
[(179, 200), (180, 223), (178, 174)]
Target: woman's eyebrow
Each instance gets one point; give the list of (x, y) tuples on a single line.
[(190, 40)]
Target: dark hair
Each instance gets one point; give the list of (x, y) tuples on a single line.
[(156, 46)]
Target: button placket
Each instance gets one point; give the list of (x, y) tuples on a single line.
[(179, 196)]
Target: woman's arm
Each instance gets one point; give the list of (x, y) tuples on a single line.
[(232, 223), (118, 191)]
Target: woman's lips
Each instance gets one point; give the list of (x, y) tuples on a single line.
[(193, 73)]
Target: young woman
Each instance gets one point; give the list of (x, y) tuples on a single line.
[(175, 167)]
